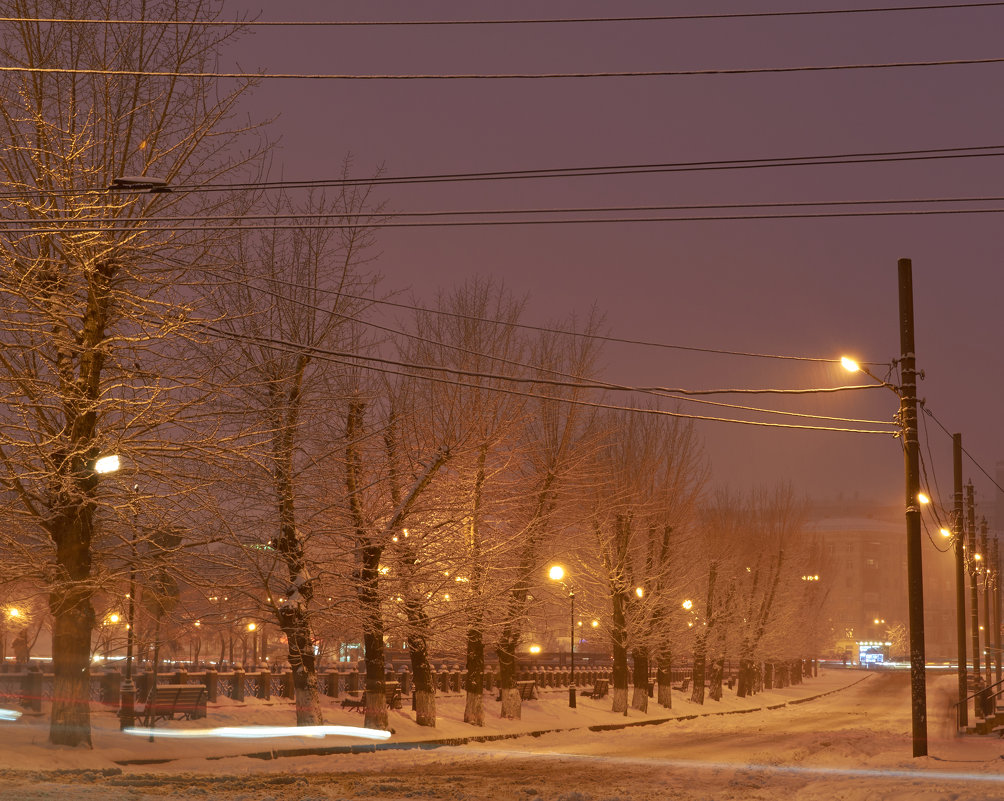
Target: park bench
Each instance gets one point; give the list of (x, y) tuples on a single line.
[(527, 690), (683, 685), (170, 701), (392, 691), (600, 689), (392, 694)]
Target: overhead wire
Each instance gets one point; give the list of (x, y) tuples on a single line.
[(576, 384), (565, 332), (518, 21), (479, 76), (972, 458), (130, 222), (137, 224), (655, 392), (544, 173), (383, 365)]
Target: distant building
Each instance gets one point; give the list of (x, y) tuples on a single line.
[(865, 581)]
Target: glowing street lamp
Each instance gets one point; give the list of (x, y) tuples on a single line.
[(557, 573), (107, 464)]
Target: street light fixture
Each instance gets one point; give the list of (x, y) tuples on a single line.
[(557, 573)]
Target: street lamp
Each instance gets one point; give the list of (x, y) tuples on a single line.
[(127, 690), (557, 573)]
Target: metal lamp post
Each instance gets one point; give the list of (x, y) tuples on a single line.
[(557, 573)]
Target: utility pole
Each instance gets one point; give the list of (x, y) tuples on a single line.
[(996, 562), (914, 565), (985, 569), (958, 535), (974, 593)]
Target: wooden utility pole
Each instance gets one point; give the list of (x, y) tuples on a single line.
[(988, 648), (996, 562), (914, 564), (974, 592), (958, 535)]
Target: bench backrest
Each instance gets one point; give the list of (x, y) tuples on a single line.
[(176, 696)]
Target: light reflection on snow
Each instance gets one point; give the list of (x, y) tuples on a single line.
[(9, 714), (263, 732)]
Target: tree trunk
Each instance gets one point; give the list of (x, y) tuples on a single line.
[(72, 624), (697, 675), (474, 709), (307, 696), (717, 670), (293, 613), (768, 676), (639, 699), (664, 679), (618, 637), (745, 686), (512, 704), (418, 647)]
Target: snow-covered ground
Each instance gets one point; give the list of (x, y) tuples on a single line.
[(850, 740)]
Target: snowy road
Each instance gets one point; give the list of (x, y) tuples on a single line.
[(853, 744)]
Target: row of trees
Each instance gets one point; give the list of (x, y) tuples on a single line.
[(283, 451)]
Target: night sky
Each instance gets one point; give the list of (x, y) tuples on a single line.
[(807, 287)]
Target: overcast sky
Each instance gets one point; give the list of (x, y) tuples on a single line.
[(816, 287)]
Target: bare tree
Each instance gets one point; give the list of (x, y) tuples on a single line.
[(648, 475), (291, 296), (90, 290), (473, 330), (555, 445), (375, 523)]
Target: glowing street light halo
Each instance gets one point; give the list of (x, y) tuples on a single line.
[(107, 464)]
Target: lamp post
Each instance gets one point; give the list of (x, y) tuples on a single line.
[(907, 393), (557, 573), (127, 690)]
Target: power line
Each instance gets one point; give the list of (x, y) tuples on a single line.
[(522, 21), (866, 157), (576, 384), (256, 76), (548, 330), (379, 365), (137, 225), (972, 458), (129, 222), (558, 373)]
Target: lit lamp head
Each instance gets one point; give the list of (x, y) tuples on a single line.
[(107, 464), (556, 573), (849, 364)]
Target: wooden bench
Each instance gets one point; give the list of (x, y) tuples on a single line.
[(682, 686), (392, 695), (527, 690), (170, 701), (600, 689), (392, 691)]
